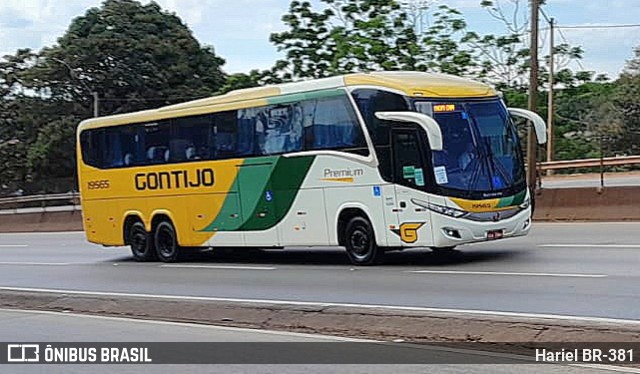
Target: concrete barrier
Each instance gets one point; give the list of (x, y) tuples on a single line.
[(588, 204), (563, 204), (41, 221)]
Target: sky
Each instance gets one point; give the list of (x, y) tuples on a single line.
[(239, 29)]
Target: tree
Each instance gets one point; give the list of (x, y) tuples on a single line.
[(627, 103), (504, 60), (14, 134), (365, 35), (134, 56), (239, 81)]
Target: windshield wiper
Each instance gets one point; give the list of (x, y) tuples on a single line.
[(495, 165), (477, 168)]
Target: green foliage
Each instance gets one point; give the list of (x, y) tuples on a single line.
[(134, 56), (627, 104), (129, 53), (367, 35), (239, 81)]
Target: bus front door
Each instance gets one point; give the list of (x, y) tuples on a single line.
[(409, 177)]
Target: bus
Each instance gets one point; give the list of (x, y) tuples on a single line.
[(370, 162)]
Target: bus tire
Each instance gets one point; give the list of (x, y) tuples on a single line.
[(360, 242), (166, 242), (141, 243)]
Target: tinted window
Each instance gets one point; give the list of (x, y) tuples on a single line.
[(225, 135), (122, 146), (191, 139), (279, 129), (90, 142), (247, 119), (335, 126), (369, 102), (157, 137), (409, 168), (314, 124)]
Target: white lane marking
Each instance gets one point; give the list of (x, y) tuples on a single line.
[(14, 245), (619, 369), (589, 245), (195, 325), (36, 263), (560, 317), (310, 336), (461, 272), (223, 267)]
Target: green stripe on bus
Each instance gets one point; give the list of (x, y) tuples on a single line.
[(282, 189), (254, 177), (267, 188), (512, 200)]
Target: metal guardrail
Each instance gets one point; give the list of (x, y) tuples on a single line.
[(40, 203), (590, 163)]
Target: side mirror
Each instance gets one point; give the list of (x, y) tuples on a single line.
[(538, 123), (427, 123)]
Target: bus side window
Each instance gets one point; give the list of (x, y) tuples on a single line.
[(247, 119), (91, 143), (278, 129), (157, 136), (225, 135), (335, 126), (121, 146), (190, 140), (369, 102)]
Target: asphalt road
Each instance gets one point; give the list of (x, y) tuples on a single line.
[(32, 327), (566, 269)]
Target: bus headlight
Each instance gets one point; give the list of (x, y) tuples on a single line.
[(451, 212), (526, 203)]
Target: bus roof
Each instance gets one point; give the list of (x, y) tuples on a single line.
[(413, 84)]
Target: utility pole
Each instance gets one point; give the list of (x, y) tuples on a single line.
[(550, 110), (94, 94), (96, 104), (533, 95)]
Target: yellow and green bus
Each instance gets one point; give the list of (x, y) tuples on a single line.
[(369, 162)]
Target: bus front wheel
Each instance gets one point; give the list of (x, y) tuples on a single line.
[(141, 243), (166, 242), (361, 243)]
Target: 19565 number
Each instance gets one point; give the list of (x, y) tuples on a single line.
[(98, 185)]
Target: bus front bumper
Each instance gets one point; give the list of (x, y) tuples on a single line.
[(450, 232)]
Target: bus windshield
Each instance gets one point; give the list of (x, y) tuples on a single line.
[(481, 154)]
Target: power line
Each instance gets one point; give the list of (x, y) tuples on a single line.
[(599, 26), (545, 15), (566, 41)]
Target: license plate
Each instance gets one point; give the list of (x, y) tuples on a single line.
[(495, 234)]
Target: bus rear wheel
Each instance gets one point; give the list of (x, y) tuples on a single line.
[(166, 242), (141, 243), (360, 242)]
